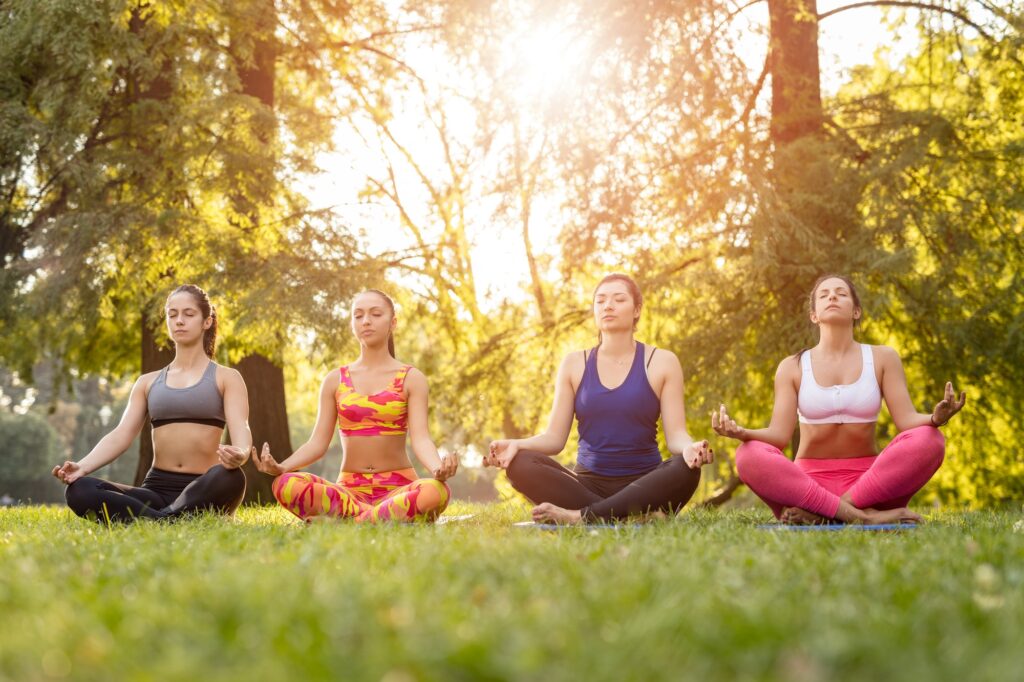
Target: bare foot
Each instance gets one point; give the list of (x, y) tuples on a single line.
[(801, 517), (880, 516), (549, 513)]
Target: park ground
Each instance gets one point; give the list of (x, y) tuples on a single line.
[(706, 596)]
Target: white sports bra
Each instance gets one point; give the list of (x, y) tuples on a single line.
[(856, 403)]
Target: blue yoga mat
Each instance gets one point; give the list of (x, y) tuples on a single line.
[(840, 526), (588, 526)]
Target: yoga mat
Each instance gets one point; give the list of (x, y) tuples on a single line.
[(453, 519), (840, 526), (580, 526)]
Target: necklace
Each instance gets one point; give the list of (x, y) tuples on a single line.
[(630, 357)]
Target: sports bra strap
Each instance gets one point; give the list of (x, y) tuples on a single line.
[(653, 351)]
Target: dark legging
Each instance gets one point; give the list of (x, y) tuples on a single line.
[(163, 495), (666, 488)]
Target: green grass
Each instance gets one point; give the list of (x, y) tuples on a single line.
[(706, 596)]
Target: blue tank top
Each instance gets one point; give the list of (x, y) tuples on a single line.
[(618, 428)]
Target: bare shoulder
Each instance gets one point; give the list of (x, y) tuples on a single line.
[(145, 381), (789, 368), (228, 373), (228, 377), (415, 379), (886, 354), (331, 380), (662, 358), (575, 361)]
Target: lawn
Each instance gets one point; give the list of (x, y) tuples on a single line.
[(706, 596)]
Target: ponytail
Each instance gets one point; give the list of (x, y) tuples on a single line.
[(210, 335)]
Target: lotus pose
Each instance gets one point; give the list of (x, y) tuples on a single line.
[(835, 390), (616, 390), (375, 401), (189, 403)]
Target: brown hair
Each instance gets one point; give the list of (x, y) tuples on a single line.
[(846, 281), (391, 307), (814, 290), (207, 309), (631, 285)]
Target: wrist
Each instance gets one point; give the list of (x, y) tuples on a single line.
[(931, 418)]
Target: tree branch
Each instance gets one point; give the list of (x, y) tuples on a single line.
[(912, 4)]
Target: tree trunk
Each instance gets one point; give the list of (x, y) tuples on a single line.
[(796, 75), (268, 420), (154, 357), (268, 416)]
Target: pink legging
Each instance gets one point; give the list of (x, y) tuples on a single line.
[(887, 481)]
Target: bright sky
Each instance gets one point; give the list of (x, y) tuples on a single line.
[(499, 261)]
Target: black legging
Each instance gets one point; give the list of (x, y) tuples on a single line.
[(163, 495), (666, 488)]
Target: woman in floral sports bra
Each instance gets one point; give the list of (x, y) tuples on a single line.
[(377, 481), (835, 390)]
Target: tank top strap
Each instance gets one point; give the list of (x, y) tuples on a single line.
[(805, 361), (590, 366), (399, 381), (346, 378), (869, 357)]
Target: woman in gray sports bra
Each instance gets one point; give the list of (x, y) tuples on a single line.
[(189, 402)]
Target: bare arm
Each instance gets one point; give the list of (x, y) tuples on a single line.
[(319, 439), (112, 445), (236, 413), (897, 397), (552, 441), (673, 413), (780, 429), (419, 434)]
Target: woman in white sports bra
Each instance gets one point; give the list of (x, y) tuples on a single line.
[(835, 390)]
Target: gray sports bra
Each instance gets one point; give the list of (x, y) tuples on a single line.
[(200, 403)]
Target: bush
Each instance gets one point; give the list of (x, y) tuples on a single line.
[(31, 448)]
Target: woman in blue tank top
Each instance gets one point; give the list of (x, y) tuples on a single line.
[(189, 402), (616, 391)]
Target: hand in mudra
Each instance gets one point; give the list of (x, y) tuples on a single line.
[(266, 463), (948, 406), (724, 425)]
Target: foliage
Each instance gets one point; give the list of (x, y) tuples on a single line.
[(132, 155), (31, 448), (707, 596)]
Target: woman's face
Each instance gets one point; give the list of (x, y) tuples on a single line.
[(185, 321), (833, 303), (372, 321), (614, 308)]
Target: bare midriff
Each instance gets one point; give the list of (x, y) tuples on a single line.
[(837, 441), (367, 454), (186, 448)]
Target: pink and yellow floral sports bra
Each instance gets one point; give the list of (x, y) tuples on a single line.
[(382, 414)]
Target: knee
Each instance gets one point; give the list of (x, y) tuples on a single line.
[(521, 465), (81, 495), (682, 470), (281, 486), (930, 442), (751, 457), (433, 496), (231, 479)]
